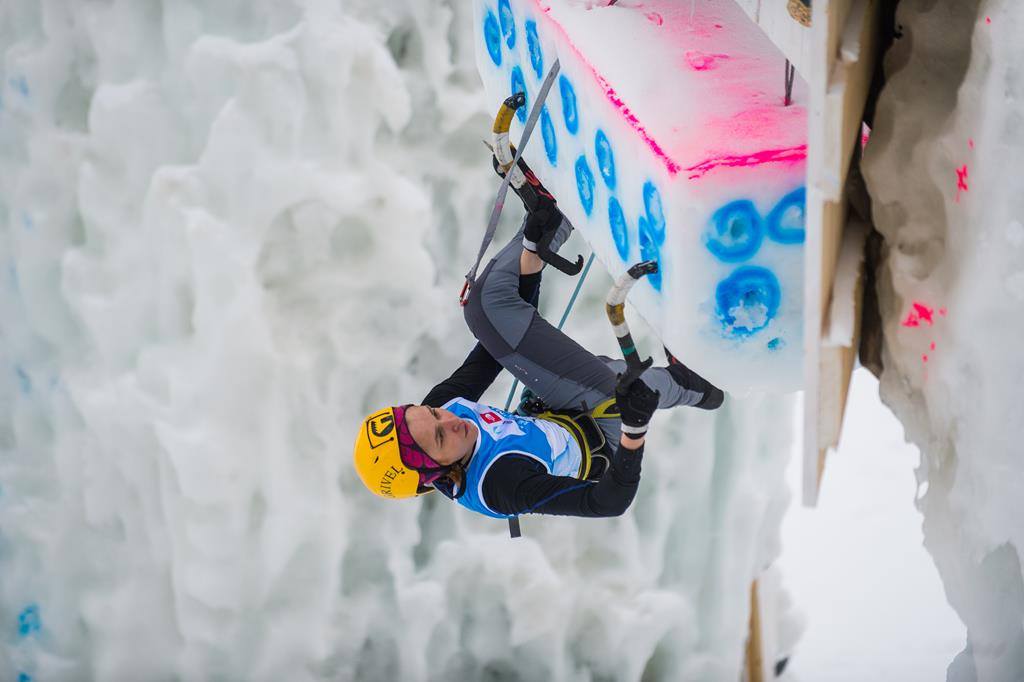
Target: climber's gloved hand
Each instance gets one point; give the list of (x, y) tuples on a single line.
[(539, 222), (637, 402)]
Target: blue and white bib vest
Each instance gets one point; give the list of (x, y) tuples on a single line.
[(500, 433)]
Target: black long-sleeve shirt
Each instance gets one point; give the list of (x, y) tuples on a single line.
[(516, 484)]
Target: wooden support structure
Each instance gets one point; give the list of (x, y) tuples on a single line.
[(844, 46), (754, 664)]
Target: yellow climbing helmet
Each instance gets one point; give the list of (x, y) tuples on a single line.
[(389, 461)]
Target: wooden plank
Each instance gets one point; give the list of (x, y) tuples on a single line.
[(844, 45), (754, 662)]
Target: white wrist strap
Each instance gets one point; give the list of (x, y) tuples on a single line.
[(634, 430)]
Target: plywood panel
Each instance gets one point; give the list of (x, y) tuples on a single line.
[(844, 43)]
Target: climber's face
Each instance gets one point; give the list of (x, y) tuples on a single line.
[(445, 437)]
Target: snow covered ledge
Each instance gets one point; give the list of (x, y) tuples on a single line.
[(940, 167)]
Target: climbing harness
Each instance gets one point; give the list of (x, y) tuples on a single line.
[(508, 159)]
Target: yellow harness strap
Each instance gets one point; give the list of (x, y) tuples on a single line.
[(571, 422)]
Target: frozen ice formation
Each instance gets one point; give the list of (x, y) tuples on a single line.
[(941, 168), (227, 231), (667, 137)]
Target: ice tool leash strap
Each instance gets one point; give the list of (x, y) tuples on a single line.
[(502, 150)]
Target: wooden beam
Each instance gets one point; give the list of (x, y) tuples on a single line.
[(844, 45), (754, 662)]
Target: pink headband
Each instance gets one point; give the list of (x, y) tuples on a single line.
[(413, 456)]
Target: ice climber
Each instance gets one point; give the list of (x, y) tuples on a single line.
[(577, 449)]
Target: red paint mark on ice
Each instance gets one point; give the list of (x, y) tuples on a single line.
[(924, 358), (942, 311), (920, 312), (671, 166), (790, 155), (932, 346), (961, 177), (961, 180), (718, 26), (655, 18), (970, 143), (703, 61), (988, 20)]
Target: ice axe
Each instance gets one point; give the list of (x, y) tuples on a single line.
[(615, 307), (524, 182)]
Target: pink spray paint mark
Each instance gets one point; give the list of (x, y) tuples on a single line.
[(924, 358), (942, 311), (703, 61), (671, 166), (790, 155), (655, 18), (961, 181), (932, 346), (988, 20), (970, 143), (920, 312)]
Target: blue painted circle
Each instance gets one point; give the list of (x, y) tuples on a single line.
[(785, 223), (747, 300), (620, 232), (492, 37), (605, 158), (518, 84), (569, 111), (655, 212), (585, 184), (649, 250), (547, 131), (508, 23), (533, 46), (735, 232)]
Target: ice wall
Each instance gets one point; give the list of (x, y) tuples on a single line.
[(666, 137), (227, 231), (941, 168)]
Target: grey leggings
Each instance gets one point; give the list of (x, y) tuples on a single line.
[(562, 373)]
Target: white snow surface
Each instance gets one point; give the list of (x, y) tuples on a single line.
[(230, 230), (872, 603), (941, 167)]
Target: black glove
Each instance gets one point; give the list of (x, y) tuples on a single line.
[(540, 222), (637, 402)]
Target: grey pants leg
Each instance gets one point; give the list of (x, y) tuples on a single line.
[(557, 369)]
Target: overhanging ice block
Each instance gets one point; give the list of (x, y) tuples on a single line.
[(666, 136)]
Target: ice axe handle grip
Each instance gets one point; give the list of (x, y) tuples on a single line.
[(615, 305)]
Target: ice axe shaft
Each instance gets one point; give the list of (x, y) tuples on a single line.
[(615, 307)]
